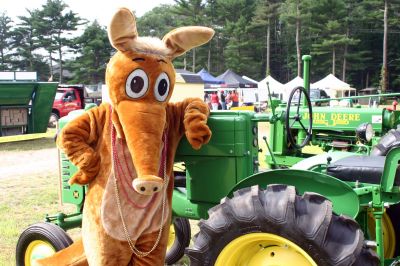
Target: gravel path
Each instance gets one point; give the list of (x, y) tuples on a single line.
[(14, 164)]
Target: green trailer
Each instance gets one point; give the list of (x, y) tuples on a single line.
[(338, 207), (25, 107)]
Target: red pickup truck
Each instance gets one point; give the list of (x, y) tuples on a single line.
[(73, 97)]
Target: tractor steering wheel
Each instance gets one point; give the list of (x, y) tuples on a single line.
[(291, 120)]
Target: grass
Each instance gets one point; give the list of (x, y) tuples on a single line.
[(46, 141), (25, 199)]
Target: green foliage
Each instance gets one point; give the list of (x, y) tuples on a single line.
[(94, 52), (54, 25), (25, 43), (157, 22), (5, 41), (344, 36)]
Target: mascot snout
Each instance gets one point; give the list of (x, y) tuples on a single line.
[(143, 126)]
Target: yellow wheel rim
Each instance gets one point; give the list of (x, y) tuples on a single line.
[(389, 235), (263, 249), (38, 249), (171, 236)]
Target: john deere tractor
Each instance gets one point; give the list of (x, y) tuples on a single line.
[(330, 195)]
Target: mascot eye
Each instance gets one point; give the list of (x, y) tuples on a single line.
[(161, 87), (137, 84)]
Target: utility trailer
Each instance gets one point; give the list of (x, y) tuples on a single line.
[(25, 104)]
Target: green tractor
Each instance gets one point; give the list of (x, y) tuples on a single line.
[(337, 207)]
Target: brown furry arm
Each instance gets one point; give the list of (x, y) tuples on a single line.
[(78, 140), (190, 118)]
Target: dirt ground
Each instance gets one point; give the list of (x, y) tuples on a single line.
[(14, 164)]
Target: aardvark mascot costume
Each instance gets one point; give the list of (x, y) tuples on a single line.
[(125, 150)]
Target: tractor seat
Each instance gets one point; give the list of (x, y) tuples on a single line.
[(365, 169), (179, 179)]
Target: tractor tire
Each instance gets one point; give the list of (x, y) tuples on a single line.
[(179, 240), (39, 241), (276, 226), (53, 120), (389, 141), (394, 215)]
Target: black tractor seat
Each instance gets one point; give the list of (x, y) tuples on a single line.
[(365, 169), (179, 179)]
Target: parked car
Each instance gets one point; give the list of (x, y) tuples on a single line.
[(315, 94)]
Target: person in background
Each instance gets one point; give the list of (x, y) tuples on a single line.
[(214, 101), (235, 99), (223, 100), (207, 99), (228, 100)]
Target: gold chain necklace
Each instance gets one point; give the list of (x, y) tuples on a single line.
[(131, 244)]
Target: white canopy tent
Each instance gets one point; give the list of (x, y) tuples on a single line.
[(288, 87), (275, 87), (334, 87)]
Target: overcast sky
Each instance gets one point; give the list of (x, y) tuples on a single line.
[(102, 10)]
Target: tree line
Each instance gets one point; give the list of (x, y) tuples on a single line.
[(357, 41)]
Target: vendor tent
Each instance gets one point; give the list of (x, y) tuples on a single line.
[(275, 87), (288, 87), (249, 79), (233, 80), (334, 87), (208, 78), (296, 82)]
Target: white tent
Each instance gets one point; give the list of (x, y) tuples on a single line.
[(288, 87), (275, 87), (250, 79), (333, 86)]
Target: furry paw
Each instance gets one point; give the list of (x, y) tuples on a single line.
[(195, 121), (88, 170), (79, 178), (198, 136)]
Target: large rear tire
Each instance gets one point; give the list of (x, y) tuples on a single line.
[(39, 241), (179, 239), (277, 224), (394, 215)]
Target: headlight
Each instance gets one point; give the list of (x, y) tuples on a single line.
[(255, 142), (365, 132), (255, 130)]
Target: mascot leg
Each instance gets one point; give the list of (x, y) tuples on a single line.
[(73, 255), (146, 242)]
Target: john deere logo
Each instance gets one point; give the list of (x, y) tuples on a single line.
[(75, 194), (333, 119)]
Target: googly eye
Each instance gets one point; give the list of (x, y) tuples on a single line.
[(137, 84), (161, 87)]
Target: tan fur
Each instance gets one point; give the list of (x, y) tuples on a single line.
[(140, 124)]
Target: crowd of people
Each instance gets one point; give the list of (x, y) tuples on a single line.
[(221, 100)]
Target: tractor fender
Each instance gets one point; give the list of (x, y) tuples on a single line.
[(345, 200)]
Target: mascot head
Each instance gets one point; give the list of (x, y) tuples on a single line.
[(140, 78)]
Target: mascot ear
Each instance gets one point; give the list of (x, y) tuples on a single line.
[(183, 39), (122, 31)]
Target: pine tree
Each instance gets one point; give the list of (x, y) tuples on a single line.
[(192, 13), (265, 17), (25, 42), (295, 15), (94, 51), (5, 41), (55, 25)]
